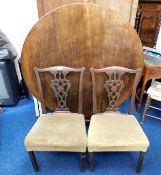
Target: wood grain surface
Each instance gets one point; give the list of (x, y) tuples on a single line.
[(80, 35), (125, 8)]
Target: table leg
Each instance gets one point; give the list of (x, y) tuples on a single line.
[(142, 94), (146, 108)]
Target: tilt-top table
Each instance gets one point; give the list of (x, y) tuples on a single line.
[(79, 35)]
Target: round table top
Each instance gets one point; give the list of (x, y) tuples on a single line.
[(80, 35)]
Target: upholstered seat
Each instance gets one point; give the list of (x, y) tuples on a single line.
[(112, 130), (118, 132), (58, 132), (61, 130)]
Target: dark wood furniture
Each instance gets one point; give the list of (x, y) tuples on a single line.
[(150, 72), (126, 9), (114, 84), (40, 138), (96, 41), (148, 21), (112, 122), (61, 86)]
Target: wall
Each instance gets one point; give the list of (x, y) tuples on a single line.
[(158, 46), (16, 19)]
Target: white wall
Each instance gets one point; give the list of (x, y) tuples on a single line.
[(158, 46), (16, 19)]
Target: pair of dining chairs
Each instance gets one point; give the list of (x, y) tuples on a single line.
[(110, 131)]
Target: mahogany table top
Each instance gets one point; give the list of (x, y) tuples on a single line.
[(79, 35)]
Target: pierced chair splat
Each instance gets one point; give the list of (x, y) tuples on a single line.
[(113, 86), (60, 130), (103, 135), (61, 87)]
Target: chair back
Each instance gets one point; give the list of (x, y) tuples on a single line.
[(114, 85), (60, 85)]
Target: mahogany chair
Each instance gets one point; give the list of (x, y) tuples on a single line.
[(113, 131), (61, 130)]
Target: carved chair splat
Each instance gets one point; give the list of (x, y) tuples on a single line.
[(60, 85), (114, 85)]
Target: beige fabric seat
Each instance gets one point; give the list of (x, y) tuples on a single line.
[(61, 130), (112, 130), (58, 132), (116, 133)]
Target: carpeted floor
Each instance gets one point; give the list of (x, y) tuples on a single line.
[(15, 122)]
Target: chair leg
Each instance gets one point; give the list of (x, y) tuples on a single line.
[(140, 162), (91, 161), (33, 160), (83, 162), (146, 108)]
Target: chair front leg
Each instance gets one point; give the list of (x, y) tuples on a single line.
[(146, 108), (83, 162), (33, 160), (91, 161), (140, 162)]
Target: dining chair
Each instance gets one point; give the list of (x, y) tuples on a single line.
[(61, 130), (113, 131), (154, 94)]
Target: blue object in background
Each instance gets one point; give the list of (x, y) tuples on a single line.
[(154, 54)]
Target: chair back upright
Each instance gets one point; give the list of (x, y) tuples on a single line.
[(114, 85), (60, 85)]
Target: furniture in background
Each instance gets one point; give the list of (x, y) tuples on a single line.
[(154, 93), (152, 70), (9, 85), (61, 130), (85, 43), (126, 9), (24, 92), (148, 20), (112, 130)]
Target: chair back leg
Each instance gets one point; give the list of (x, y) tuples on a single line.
[(146, 108), (140, 162), (33, 160), (83, 162), (91, 161)]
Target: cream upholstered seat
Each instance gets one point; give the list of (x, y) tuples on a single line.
[(116, 133), (61, 130), (112, 130), (58, 132)]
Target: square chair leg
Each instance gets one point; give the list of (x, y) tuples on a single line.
[(83, 162), (91, 161), (140, 162), (33, 160), (148, 101)]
